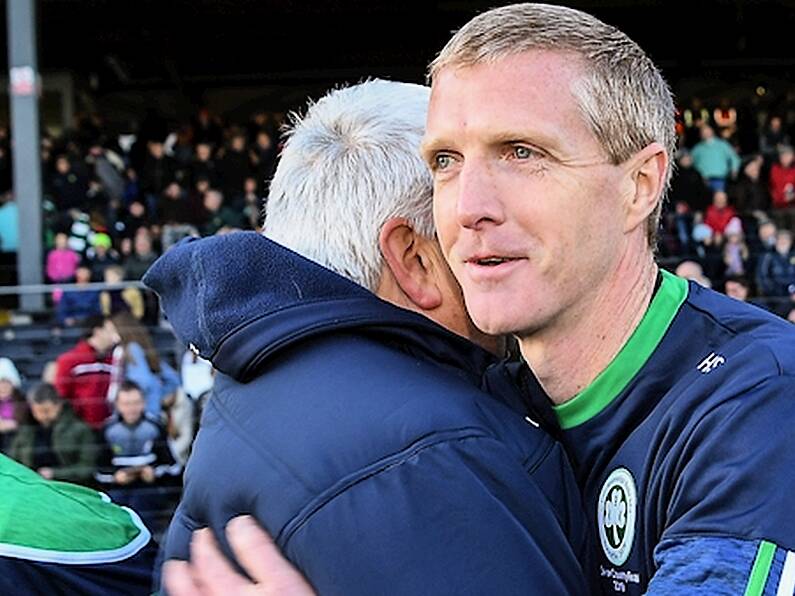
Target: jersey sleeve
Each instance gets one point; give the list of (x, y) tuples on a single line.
[(730, 502), (464, 533), (712, 565)]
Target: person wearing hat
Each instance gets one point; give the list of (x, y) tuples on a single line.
[(13, 409), (101, 255)]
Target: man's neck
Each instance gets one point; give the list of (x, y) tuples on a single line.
[(570, 354)]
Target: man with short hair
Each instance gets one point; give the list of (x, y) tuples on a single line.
[(137, 467), (550, 136), (353, 427), (59, 445), (83, 373)]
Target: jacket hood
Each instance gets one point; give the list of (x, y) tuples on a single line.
[(239, 298)]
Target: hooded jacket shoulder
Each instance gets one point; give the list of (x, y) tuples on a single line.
[(358, 433)]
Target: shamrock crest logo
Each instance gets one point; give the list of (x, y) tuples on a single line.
[(616, 512)]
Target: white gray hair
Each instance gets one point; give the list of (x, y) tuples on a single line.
[(348, 165), (622, 95)]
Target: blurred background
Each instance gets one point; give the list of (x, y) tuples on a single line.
[(127, 125)]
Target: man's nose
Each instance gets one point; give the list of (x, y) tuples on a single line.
[(479, 202)]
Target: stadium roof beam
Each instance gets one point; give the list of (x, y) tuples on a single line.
[(24, 99)]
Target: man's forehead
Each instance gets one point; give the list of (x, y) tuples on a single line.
[(529, 93)]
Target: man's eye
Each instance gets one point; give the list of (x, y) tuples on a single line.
[(442, 161), (521, 152)]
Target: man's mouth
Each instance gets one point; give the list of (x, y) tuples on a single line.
[(492, 261)]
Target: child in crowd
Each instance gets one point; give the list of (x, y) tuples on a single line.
[(735, 250), (62, 261)]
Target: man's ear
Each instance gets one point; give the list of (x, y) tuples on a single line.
[(408, 258), (647, 169)]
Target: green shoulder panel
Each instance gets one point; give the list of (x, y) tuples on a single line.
[(58, 522)]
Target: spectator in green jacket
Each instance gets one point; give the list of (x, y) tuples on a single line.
[(59, 446)]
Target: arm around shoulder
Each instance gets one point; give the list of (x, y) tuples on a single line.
[(458, 516)]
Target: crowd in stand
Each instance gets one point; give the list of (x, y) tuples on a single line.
[(730, 216), (111, 412), (120, 201)]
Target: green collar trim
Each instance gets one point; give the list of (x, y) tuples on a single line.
[(635, 353)]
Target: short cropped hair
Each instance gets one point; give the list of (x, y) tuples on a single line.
[(623, 96), (128, 385), (348, 165), (43, 393)]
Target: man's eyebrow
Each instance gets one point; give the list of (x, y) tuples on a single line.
[(431, 146)]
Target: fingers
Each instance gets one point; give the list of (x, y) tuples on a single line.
[(211, 571), (260, 557), (178, 579)]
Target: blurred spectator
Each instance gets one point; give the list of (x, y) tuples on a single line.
[(773, 136), (9, 240), (234, 167), (132, 187), (79, 231), (59, 445), (176, 217), (767, 235), (207, 128), (159, 171), (9, 224), (68, 187), (101, 255), (203, 165), (719, 214), (735, 250), (263, 158), (83, 373), (791, 315), (776, 269), (136, 359), (782, 188), (687, 185), (117, 300), (749, 195), (136, 460), (252, 204), (107, 167), (737, 287), (132, 219), (715, 159), (62, 261), (197, 376), (181, 146), (13, 408), (218, 217), (78, 304), (694, 272), (142, 255), (707, 248), (173, 207)]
